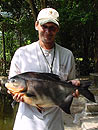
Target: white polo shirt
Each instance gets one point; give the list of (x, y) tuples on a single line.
[(30, 58)]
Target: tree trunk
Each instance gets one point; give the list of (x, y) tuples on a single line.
[(4, 53), (43, 3), (96, 52), (96, 39), (20, 38), (33, 8)]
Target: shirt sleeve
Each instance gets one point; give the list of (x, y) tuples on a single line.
[(72, 73), (15, 65)]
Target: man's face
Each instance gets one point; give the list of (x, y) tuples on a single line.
[(47, 32)]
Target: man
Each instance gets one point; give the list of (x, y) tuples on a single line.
[(42, 56)]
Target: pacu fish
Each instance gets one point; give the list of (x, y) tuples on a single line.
[(47, 90)]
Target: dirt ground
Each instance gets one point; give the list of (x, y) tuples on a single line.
[(69, 125), (77, 107)]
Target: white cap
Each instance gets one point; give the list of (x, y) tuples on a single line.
[(48, 15)]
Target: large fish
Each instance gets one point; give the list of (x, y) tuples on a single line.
[(47, 90)]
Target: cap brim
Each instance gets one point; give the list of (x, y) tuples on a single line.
[(44, 21)]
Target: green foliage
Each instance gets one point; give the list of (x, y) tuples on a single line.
[(78, 23), (79, 20)]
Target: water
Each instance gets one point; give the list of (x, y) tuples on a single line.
[(7, 113)]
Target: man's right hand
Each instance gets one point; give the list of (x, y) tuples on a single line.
[(18, 97)]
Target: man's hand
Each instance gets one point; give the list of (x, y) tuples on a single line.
[(76, 83), (18, 97)]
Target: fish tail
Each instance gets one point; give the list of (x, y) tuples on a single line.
[(83, 90), (66, 104)]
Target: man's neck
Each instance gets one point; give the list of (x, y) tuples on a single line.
[(46, 46)]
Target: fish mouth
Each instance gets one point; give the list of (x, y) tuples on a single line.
[(14, 89)]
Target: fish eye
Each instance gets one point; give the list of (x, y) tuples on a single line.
[(13, 80)]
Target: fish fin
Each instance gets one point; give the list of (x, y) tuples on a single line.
[(65, 106), (52, 76), (86, 93), (83, 90), (39, 107), (85, 83)]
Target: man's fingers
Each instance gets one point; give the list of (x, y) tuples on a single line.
[(18, 97), (76, 94), (75, 82), (8, 92)]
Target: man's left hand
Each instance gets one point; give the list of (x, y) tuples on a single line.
[(76, 83)]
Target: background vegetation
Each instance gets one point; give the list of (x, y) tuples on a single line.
[(78, 29)]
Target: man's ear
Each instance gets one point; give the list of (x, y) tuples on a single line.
[(58, 29), (36, 25)]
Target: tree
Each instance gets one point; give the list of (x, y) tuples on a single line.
[(96, 35), (78, 32)]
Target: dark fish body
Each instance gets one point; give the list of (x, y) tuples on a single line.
[(47, 90)]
